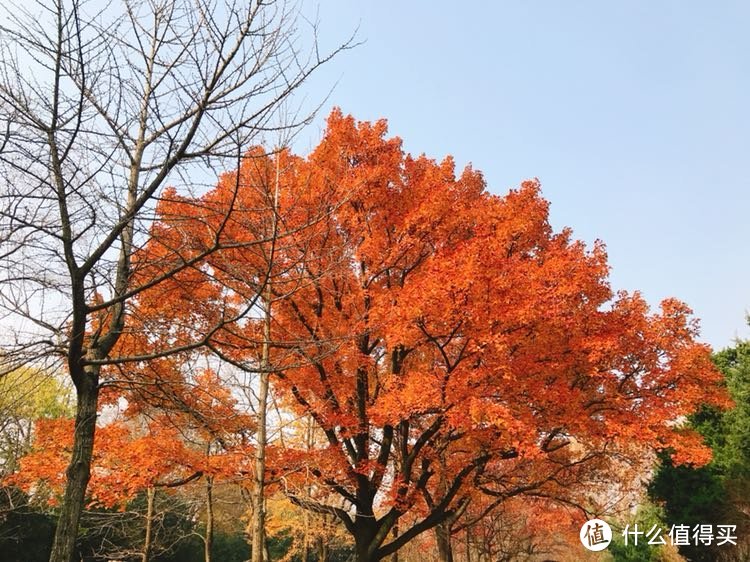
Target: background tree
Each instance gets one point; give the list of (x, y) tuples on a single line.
[(535, 507), (520, 529), (100, 110), (718, 492), (188, 433), (645, 517), (262, 260), (27, 395), (317, 536)]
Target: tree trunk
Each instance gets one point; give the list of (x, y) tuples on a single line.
[(259, 498), (307, 518), (364, 536), (394, 535), (443, 536), (468, 545), (209, 540), (322, 548), (150, 493), (305, 546), (362, 554), (79, 469), (305, 536)]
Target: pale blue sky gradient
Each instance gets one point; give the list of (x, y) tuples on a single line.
[(634, 115)]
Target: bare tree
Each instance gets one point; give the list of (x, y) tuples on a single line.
[(101, 108)]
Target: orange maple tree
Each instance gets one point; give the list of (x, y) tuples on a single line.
[(168, 438), (127, 461), (447, 341)]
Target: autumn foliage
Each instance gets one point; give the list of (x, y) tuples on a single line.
[(450, 346), (134, 452)]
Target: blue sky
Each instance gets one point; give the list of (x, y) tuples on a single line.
[(634, 115)]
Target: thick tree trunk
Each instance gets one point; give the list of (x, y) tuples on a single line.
[(79, 469), (209, 539), (364, 537), (150, 493), (445, 548), (362, 552)]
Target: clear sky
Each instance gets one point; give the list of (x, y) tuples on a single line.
[(634, 115)]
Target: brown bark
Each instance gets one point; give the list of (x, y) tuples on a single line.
[(394, 534), (150, 493), (259, 552), (209, 538), (444, 545), (79, 469), (364, 537), (259, 497), (322, 549), (259, 504)]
